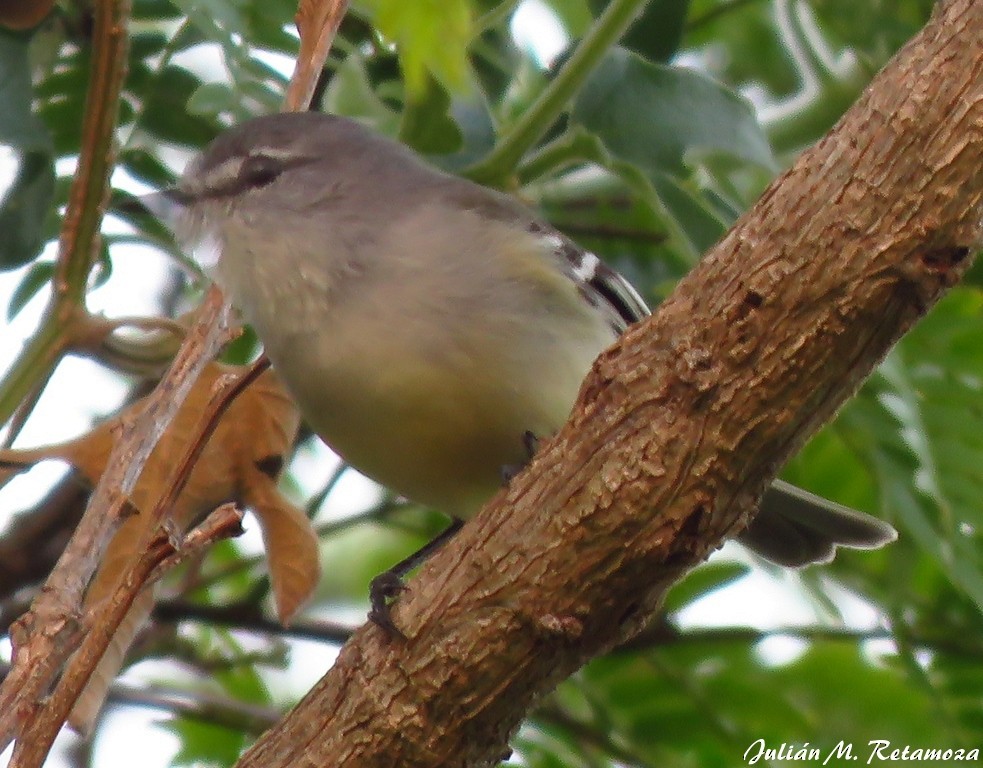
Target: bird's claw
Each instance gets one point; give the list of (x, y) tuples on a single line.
[(383, 590), (531, 444)]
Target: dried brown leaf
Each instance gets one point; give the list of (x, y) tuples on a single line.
[(291, 548), (255, 435)]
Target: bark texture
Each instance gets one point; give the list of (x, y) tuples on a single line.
[(679, 427)]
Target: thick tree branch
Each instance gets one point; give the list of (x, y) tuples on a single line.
[(679, 427)]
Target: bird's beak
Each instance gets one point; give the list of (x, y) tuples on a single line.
[(166, 206)]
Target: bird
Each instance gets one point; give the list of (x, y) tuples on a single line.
[(429, 328)]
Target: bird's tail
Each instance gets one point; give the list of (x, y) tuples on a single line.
[(794, 528)]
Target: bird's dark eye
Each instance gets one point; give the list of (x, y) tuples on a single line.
[(259, 170)]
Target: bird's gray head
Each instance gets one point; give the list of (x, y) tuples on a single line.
[(272, 168), (257, 153)]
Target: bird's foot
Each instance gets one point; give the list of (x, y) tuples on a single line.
[(531, 443), (383, 591)]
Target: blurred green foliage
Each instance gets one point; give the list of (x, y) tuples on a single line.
[(661, 148)]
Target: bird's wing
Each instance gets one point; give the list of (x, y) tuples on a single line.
[(602, 286)]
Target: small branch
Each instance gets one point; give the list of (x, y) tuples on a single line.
[(316, 500), (199, 705), (317, 22), (161, 554), (44, 637), (249, 617), (213, 710), (79, 242), (323, 530), (147, 356), (968, 646), (89, 193), (28, 376), (588, 734), (665, 635), (225, 522), (227, 388), (566, 150), (535, 121)]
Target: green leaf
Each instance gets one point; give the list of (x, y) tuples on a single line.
[(431, 35), (211, 99), (575, 15), (242, 681), (64, 118), (103, 268), (24, 209), (267, 22), (146, 44), (204, 744), (654, 116), (700, 224), (350, 93), (145, 166), (932, 385), (165, 111), (24, 205), (477, 131), (211, 16), (658, 31), (701, 581), (426, 124), (702, 701), (746, 43), (156, 10), (18, 126), (878, 28), (33, 281)]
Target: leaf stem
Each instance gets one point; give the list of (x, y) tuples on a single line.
[(80, 240), (503, 158)]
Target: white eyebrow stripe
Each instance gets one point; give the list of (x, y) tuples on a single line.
[(274, 153), (218, 176)]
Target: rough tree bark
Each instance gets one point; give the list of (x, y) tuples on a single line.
[(679, 427)]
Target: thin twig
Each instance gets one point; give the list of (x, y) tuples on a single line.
[(226, 390), (555, 98), (314, 502), (588, 734), (222, 711), (324, 530), (248, 617), (161, 554), (47, 634), (54, 620), (317, 23), (79, 241)]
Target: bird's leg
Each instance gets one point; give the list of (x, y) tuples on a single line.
[(531, 443), (385, 587)]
